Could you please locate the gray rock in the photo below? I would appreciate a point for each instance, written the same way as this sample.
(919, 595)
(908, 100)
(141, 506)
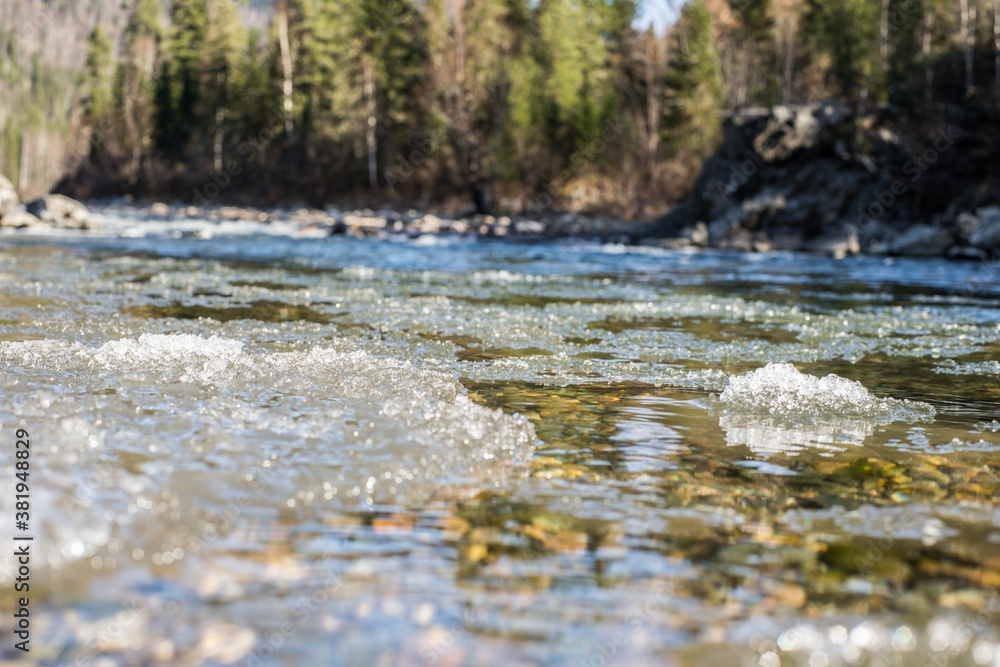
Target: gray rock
(838, 245)
(529, 227)
(986, 234)
(965, 252)
(771, 135)
(699, 235)
(19, 220)
(9, 200)
(966, 224)
(60, 211)
(921, 241)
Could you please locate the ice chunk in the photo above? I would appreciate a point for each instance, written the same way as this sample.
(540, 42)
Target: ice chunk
(778, 409)
(174, 431)
(780, 389)
(187, 356)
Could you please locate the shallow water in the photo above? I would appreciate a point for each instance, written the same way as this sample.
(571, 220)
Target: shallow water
(251, 445)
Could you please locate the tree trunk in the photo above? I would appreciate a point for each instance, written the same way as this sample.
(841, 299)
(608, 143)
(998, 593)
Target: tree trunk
(370, 134)
(788, 46)
(22, 175)
(220, 117)
(883, 38)
(928, 68)
(286, 66)
(996, 45)
(653, 104)
(968, 40)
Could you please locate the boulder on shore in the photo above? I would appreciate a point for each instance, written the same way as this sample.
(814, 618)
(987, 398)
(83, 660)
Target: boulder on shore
(12, 213)
(60, 211)
(8, 195)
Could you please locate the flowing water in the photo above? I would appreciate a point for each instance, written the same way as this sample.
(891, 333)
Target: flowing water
(251, 445)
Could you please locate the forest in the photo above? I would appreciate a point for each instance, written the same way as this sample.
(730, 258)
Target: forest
(507, 104)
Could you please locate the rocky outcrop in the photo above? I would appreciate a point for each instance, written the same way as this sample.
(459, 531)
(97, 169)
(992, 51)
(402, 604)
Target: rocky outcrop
(820, 178)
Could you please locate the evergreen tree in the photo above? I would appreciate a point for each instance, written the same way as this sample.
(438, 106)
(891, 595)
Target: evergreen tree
(97, 77)
(134, 89)
(470, 49)
(846, 32)
(694, 80)
(11, 150)
(179, 87)
(220, 58)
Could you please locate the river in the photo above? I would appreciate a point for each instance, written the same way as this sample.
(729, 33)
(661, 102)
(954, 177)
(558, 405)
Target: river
(252, 444)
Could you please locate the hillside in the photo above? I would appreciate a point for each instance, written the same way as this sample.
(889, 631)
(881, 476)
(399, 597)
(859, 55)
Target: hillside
(510, 106)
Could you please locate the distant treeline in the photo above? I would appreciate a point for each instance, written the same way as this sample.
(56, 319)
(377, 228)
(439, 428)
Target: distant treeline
(517, 102)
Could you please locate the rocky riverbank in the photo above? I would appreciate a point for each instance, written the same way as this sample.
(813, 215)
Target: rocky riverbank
(814, 178)
(822, 178)
(334, 221)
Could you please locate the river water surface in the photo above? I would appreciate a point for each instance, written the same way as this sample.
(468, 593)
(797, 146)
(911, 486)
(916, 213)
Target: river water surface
(251, 445)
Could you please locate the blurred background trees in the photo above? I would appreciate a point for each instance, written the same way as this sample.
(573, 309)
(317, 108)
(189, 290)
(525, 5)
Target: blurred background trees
(486, 101)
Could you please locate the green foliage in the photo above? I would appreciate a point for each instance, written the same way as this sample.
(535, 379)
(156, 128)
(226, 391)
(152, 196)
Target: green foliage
(755, 18)
(846, 32)
(11, 149)
(179, 87)
(695, 83)
(463, 93)
(97, 75)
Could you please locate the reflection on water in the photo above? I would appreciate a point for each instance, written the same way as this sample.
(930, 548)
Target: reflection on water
(770, 435)
(332, 451)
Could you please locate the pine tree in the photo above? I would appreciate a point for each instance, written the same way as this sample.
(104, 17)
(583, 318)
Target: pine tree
(470, 50)
(97, 77)
(847, 32)
(755, 54)
(575, 59)
(11, 150)
(219, 60)
(179, 87)
(695, 83)
(134, 89)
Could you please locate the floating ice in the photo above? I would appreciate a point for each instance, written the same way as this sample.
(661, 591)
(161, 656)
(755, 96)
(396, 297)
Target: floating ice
(778, 409)
(950, 367)
(180, 428)
(780, 389)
